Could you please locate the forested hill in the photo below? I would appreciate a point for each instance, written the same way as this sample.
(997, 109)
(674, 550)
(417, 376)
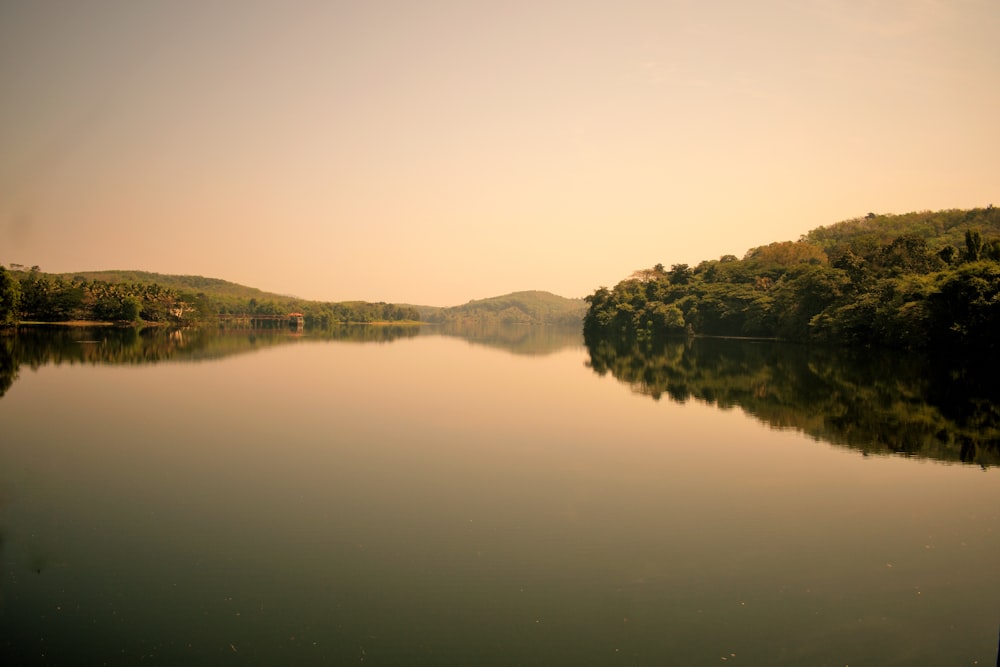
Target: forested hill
(531, 307)
(140, 296)
(919, 280)
(939, 228)
(180, 283)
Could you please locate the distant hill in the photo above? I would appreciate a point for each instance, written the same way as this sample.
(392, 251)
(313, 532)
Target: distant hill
(194, 284)
(143, 296)
(531, 307)
(223, 296)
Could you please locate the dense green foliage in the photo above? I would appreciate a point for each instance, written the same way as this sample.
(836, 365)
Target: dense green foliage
(137, 296)
(10, 298)
(897, 281)
(134, 296)
(532, 307)
(881, 401)
(179, 283)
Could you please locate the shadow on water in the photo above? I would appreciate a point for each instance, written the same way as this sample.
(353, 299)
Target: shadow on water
(875, 401)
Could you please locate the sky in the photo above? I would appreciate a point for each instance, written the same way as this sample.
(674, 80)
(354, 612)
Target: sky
(434, 152)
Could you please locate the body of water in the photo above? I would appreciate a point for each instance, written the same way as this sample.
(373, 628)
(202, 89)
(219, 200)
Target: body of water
(418, 496)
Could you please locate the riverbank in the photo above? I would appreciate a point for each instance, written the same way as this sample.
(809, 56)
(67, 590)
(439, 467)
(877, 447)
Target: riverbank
(71, 323)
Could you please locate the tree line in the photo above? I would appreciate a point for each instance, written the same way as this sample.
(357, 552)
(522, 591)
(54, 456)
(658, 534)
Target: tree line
(31, 295)
(846, 284)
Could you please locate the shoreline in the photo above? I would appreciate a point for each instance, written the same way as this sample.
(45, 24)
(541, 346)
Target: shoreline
(68, 323)
(144, 324)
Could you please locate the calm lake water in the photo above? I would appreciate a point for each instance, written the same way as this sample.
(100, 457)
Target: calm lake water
(502, 497)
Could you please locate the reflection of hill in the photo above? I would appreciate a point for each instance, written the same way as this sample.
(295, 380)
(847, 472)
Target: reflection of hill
(517, 338)
(39, 346)
(365, 333)
(872, 401)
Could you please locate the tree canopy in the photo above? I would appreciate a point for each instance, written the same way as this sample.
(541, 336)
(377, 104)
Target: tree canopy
(10, 298)
(912, 281)
(135, 296)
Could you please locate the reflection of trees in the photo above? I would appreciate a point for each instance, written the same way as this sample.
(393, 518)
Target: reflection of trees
(876, 402)
(43, 345)
(8, 364)
(530, 339)
(38, 346)
(366, 333)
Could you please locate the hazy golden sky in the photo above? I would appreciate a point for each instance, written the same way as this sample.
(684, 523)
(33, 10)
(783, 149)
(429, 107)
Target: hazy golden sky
(435, 152)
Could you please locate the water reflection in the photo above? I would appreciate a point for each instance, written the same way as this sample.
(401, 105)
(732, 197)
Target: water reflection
(878, 402)
(37, 346)
(527, 339)
(427, 501)
(8, 363)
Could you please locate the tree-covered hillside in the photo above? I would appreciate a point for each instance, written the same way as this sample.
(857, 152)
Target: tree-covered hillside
(939, 228)
(138, 296)
(141, 296)
(532, 307)
(180, 283)
(911, 281)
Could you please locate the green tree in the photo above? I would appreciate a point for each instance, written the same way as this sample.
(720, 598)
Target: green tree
(10, 298)
(130, 308)
(966, 308)
(35, 288)
(973, 244)
(680, 274)
(909, 254)
(948, 254)
(804, 295)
